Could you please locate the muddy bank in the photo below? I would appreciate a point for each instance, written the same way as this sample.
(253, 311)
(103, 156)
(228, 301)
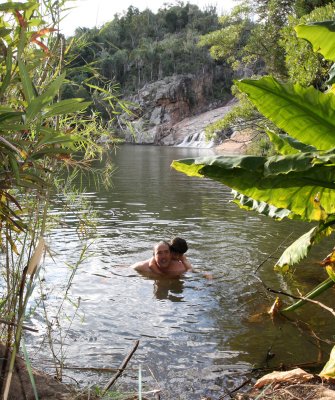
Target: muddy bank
(47, 387)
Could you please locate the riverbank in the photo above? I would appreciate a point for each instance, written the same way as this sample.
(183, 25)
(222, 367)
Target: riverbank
(47, 387)
(237, 144)
(296, 384)
(292, 385)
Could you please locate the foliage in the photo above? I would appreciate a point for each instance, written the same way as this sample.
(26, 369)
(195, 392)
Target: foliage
(229, 43)
(303, 65)
(261, 145)
(301, 179)
(140, 47)
(43, 137)
(269, 45)
(242, 114)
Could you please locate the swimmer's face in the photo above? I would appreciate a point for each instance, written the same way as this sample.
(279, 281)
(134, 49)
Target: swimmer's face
(162, 255)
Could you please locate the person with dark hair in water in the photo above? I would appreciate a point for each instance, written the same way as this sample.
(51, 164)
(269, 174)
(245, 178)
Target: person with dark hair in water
(179, 247)
(161, 263)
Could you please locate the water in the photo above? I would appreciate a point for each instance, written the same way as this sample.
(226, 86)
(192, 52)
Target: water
(197, 335)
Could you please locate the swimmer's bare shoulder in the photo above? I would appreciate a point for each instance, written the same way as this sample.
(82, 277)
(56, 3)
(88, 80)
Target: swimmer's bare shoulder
(141, 266)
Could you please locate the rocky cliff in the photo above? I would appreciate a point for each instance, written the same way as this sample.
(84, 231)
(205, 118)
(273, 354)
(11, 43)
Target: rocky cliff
(162, 105)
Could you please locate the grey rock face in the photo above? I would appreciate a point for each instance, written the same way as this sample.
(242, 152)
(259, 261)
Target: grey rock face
(165, 103)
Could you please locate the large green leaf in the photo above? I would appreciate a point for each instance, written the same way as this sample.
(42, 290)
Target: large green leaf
(10, 115)
(321, 35)
(285, 144)
(293, 182)
(247, 203)
(300, 248)
(306, 114)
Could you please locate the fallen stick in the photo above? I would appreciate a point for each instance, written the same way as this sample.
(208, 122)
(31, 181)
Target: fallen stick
(95, 369)
(121, 369)
(26, 328)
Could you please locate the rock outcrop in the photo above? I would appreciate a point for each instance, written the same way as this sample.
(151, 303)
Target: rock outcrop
(165, 103)
(190, 132)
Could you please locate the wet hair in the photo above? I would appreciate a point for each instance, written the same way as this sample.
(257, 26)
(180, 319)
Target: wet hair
(178, 245)
(161, 242)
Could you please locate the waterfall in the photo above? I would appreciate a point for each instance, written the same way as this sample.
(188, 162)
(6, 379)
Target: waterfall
(197, 139)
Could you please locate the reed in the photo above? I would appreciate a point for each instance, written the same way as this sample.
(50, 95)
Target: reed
(44, 140)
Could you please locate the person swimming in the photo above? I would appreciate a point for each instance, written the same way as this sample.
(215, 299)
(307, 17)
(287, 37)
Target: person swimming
(161, 264)
(178, 248)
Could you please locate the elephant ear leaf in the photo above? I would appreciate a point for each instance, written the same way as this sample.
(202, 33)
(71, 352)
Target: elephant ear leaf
(300, 248)
(295, 182)
(285, 144)
(305, 114)
(321, 35)
(247, 203)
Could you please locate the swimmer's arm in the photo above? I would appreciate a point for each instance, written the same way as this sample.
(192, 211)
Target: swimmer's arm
(141, 266)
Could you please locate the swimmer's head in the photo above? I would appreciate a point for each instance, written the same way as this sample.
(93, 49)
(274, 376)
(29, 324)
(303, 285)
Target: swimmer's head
(162, 254)
(178, 245)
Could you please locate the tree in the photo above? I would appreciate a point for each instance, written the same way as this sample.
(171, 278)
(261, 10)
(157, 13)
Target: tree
(303, 65)
(230, 42)
(138, 47)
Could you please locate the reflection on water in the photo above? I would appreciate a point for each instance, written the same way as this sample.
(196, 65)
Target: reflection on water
(171, 289)
(196, 334)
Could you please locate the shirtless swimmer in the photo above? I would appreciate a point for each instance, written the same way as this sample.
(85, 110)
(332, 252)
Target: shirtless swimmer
(164, 264)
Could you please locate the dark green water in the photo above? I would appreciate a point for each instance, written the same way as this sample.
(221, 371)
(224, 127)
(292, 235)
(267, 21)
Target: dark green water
(197, 335)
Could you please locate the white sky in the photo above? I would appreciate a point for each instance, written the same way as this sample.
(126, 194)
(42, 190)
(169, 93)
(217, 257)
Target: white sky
(90, 13)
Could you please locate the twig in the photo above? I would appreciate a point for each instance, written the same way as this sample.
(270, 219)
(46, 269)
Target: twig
(26, 328)
(228, 393)
(270, 255)
(121, 369)
(158, 390)
(105, 370)
(241, 386)
(331, 310)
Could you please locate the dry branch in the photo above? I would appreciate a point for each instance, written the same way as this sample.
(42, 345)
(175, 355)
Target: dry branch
(121, 368)
(3, 321)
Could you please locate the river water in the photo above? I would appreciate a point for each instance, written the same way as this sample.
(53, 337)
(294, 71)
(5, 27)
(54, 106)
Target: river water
(199, 334)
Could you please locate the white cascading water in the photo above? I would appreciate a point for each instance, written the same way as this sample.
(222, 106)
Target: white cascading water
(197, 140)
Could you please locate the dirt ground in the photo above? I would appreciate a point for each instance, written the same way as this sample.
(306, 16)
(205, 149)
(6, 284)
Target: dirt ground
(313, 390)
(237, 143)
(21, 388)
